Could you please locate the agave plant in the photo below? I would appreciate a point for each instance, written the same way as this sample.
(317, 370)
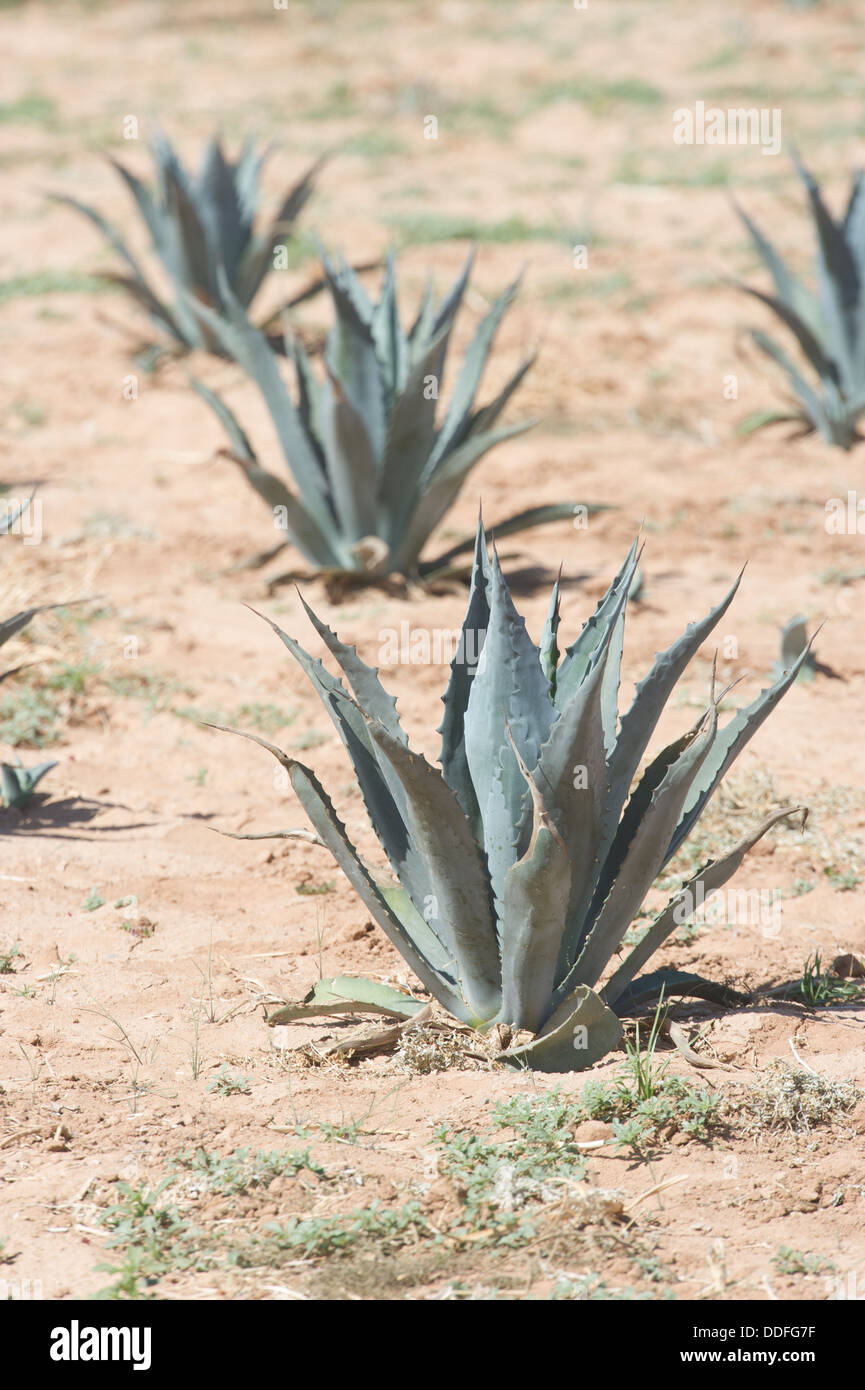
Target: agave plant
(17, 783)
(795, 643)
(10, 626)
(198, 227)
(374, 470)
(519, 866)
(828, 325)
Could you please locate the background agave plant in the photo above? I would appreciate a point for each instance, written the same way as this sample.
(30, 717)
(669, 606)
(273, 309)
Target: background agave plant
(375, 472)
(829, 326)
(10, 626)
(519, 866)
(795, 643)
(17, 783)
(201, 228)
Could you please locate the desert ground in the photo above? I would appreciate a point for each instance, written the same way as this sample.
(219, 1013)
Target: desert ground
(157, 1138)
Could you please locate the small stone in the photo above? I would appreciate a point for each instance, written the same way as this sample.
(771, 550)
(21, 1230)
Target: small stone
(848, 967)
(856, 1118)
(590, 1131)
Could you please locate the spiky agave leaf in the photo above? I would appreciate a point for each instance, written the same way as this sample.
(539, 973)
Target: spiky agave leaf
(18, 783)
(828, 325)
(347, 994)
(198, 225)
(519, 867)
(375, 465)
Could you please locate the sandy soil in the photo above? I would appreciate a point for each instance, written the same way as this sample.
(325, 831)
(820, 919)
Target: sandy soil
(555, 128)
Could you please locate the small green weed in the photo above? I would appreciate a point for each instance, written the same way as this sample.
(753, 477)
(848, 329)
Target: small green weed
(51, 282)
(28, 719)
(842, 881)
(8, 958)
(230, 1083)
(674, 1106)
(820, 989)
(267, 719)
(242, 1171)
(155, 1240)
(310, 889)
(789, 1261)
(329, 1235)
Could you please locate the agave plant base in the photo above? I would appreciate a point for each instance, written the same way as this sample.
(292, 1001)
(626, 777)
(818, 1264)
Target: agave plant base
(584, 1036)
(586, 1032)
(429, 576)
(579, 1037)
(341, 584)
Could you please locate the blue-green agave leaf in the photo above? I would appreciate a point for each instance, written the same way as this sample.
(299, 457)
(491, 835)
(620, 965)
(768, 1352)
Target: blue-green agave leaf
(511, 526)
(572, 776)
(348, 994)
(815, 409)
(380, 786)
(332, 832)
(509, 706)
(439, 496)
(458, 417)
(453, 759)
(683, 905)
(351, 354)
(823, 365)
(302, 529)
(390, 341)
(582, 1032)
(549, 637)
(250, 349)
(643, 856)
(535, 898)
(352, 464)
(410, 432)
(450, 305)
(652, 693)
(595, 632)
(18, 784)
(791, 292)
(726, 748)
(368, 689)
(137, 277)
(838, 282)
(459, 909)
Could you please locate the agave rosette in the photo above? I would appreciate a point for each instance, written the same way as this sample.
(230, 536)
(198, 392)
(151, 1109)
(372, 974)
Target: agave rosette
(18, 783)
(518, 866)
(202, 228)
(829, 325)
(374, 468)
